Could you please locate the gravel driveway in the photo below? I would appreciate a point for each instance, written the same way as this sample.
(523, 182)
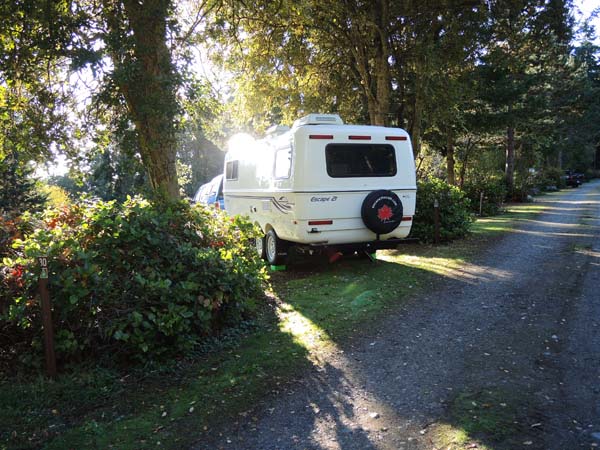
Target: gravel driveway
(518, 328)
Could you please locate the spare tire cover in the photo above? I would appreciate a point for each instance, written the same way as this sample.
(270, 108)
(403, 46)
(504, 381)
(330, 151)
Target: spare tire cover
(382, 211)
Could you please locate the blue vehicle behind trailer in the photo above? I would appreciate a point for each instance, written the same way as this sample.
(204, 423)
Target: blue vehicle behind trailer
(211, 193)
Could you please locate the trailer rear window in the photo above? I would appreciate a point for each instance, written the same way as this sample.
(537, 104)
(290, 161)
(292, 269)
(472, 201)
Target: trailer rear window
(360, 160)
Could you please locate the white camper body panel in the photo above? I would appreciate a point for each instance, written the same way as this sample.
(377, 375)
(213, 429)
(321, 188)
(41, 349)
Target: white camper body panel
(282, 183)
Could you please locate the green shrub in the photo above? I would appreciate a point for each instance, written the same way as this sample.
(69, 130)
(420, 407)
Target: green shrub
(455, 218)
(494, 193)
(12, 228)
(550, 176)
(130, 280)
(523, 189)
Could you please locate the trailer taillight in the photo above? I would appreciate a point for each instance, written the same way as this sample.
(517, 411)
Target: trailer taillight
(395, 138)
(359, 138)
(406, 218)
(320, 136)
(320, 222)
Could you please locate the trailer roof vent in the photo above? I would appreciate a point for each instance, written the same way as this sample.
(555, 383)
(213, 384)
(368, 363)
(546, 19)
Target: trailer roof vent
(319, 119)
(276, 130)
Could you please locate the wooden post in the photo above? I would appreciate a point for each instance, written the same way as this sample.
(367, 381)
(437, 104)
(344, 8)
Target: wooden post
(436, 220)
(47, 318)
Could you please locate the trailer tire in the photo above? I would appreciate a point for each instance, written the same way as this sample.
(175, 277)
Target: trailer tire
(259, 242)
(382, 211)
(275, 249)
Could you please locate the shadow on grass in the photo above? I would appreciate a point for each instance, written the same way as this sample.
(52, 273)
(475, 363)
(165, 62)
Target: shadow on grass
(171, 402)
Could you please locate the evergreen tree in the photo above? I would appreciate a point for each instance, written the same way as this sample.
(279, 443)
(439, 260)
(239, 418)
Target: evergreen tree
(18, 189)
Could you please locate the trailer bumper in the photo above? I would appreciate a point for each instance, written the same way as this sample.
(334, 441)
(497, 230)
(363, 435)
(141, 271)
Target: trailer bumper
(368, 247)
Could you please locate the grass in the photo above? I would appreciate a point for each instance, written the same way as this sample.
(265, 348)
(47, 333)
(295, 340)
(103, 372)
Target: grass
(514, 213)
(494, 414)
(484, 420)
(309, 313)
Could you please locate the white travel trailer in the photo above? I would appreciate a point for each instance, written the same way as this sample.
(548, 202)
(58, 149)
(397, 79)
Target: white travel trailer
(323, 184)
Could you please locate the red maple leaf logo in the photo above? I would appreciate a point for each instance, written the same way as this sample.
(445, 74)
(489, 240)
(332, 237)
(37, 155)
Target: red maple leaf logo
(385, 213)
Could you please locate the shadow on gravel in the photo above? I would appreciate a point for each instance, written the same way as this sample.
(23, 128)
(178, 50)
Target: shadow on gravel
(325, 416)
(474, 364)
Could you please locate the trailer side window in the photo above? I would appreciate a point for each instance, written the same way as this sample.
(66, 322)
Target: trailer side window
(283, 163)
(231, 170)
(360, 160)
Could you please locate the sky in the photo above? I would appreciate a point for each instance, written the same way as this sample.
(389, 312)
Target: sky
(586, 7)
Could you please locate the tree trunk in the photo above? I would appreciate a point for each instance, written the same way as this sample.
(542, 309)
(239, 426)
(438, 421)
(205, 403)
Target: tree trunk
(372, 105)
(146, 78)
(509, 172)
(415, 129)
(382, 104)
(559, 158)
(450, 162)
(379, 106)
(465, 161)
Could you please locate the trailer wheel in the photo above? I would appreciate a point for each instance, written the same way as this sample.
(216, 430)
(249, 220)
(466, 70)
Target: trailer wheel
(259, 242)
(382, 211)
(275, 249)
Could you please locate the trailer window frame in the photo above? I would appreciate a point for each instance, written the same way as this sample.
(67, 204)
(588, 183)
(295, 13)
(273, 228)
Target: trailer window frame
(276, 175)
(376, 166)
(232, 170)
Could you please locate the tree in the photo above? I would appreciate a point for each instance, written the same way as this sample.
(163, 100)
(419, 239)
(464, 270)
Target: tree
(206, 128)
(452, 73)
(115, 174)
(581, 104)
(297, 57)
(370, 61)
(34, 39)
(451, 50)
(19, 191)
(527, 38)
(203, 158)
(433, 43)
(50, 39)
(146, 78)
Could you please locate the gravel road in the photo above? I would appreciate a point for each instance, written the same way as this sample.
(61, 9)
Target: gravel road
(519, 327)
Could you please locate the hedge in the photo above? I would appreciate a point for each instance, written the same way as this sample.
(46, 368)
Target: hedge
(138, 279)
(454, 208)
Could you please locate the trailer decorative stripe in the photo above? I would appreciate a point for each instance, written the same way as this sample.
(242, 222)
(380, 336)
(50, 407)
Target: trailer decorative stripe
(282, 204)
(405, 188)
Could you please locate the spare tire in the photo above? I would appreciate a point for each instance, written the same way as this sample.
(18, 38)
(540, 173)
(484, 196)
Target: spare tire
(381, 211)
